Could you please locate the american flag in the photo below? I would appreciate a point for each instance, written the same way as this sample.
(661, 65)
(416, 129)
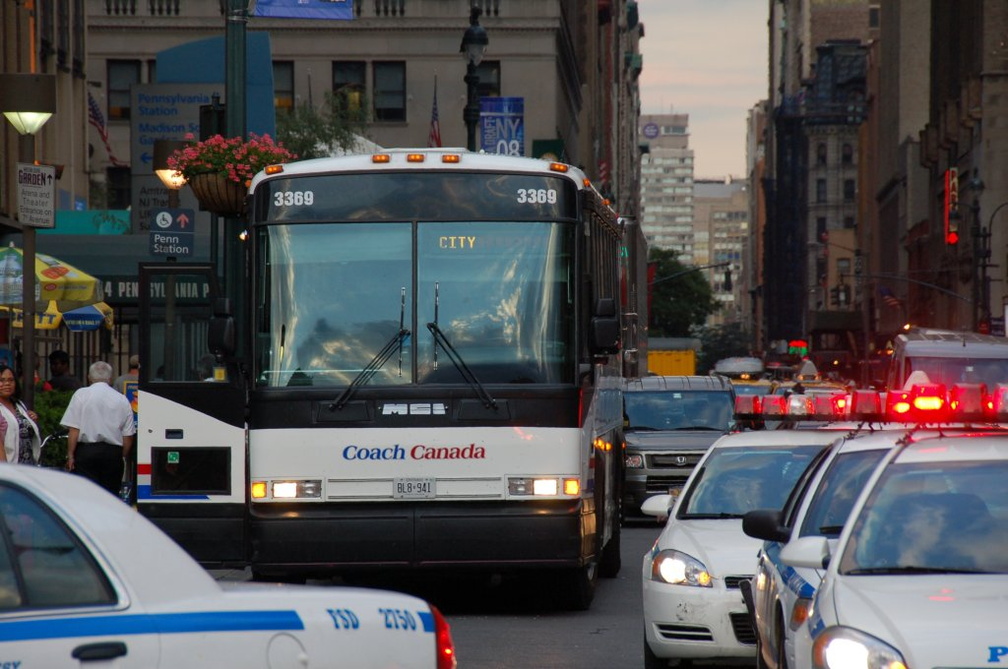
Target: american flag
(890, 299)
(97, 119)
(434, 138)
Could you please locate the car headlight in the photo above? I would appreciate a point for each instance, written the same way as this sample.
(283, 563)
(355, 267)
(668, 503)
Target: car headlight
(671, 566)
(634, 461)
(846, 648)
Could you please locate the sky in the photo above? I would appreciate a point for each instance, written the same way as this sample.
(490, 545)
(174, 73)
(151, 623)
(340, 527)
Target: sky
(708, 59)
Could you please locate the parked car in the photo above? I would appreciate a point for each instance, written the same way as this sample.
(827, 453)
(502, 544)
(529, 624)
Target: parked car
(668, 424)
(693, 606)
(919, 575)
(86, 579)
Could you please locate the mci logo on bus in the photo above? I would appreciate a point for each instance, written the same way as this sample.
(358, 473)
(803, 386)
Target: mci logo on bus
(414, 409)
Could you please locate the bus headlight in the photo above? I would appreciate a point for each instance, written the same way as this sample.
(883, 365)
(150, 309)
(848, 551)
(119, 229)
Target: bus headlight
(543, 487)
(634, 461)
(309, 489)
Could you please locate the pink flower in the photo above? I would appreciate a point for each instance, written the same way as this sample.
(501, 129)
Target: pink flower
(239, 159)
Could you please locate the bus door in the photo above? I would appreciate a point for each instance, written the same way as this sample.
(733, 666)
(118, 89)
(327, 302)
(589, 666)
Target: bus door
(191, 458)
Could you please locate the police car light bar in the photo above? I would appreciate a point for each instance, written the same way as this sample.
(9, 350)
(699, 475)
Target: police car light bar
(929, 403)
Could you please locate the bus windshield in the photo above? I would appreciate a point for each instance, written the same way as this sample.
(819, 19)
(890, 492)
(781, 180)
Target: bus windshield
(336, 301)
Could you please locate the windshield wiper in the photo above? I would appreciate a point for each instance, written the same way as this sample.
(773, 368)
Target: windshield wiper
(442, 340)
(911, 569)
(710, 516)
(377, 362)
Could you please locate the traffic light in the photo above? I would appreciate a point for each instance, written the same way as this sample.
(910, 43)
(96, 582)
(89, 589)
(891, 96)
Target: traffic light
(834, 296)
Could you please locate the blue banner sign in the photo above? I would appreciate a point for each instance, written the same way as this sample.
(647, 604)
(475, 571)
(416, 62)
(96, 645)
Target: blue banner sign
(502, 126)
(341, 10)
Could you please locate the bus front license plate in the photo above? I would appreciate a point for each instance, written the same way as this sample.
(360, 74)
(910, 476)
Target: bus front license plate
(413, 488)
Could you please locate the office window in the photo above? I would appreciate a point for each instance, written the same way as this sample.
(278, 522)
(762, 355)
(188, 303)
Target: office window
(847, 155)
(122, 74)
(489, 79)
(283, 85)
(848, 222)
(77, 38)
(848, 190)
(821, 154)
(119, 192)
(820, 190)
(390, 91)
(348, 83)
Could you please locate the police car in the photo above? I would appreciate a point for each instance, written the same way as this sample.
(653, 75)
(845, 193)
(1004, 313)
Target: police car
(819, 506)
(85, 579)
(782, 595)
(693, 605)
(919, 575)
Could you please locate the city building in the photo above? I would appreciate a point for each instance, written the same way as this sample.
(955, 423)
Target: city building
(666, 192)
(721, 229)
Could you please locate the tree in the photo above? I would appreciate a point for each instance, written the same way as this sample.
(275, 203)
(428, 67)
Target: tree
(314, 132)
(722, 341)
(681, 297)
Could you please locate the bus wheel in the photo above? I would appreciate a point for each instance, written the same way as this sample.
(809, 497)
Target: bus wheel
(611, 561)
(579, 586)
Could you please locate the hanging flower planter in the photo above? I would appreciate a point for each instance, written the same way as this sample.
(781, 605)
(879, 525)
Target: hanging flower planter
(219, 170)
(219, 194)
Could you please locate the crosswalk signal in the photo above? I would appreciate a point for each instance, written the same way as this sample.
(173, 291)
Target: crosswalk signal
(952, 229)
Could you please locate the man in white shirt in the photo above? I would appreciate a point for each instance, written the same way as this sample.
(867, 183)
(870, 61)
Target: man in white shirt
(101, 430)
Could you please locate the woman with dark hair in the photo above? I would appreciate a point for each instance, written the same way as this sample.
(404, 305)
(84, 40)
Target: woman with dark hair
(19, 432)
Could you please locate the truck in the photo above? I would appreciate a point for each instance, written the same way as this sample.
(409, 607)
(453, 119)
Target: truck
(673, 356)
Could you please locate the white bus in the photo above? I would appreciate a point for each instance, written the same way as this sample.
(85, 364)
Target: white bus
(417, 367)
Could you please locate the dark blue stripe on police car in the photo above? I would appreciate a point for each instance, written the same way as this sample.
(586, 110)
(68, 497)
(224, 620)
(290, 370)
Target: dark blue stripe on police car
(790, 577)
(427, 620)
(163, 623)
(144, 492)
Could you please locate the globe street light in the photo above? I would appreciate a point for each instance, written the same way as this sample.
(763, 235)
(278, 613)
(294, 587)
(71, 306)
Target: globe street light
(474, 45)
(28, 101)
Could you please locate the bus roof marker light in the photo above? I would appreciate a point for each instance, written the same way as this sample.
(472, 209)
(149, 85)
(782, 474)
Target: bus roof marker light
(415, 157)
(559, 167)
(381, 158)
(452, 158)
(274, 169)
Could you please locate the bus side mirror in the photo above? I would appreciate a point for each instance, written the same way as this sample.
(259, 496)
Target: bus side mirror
(604, 334)
(221, 331)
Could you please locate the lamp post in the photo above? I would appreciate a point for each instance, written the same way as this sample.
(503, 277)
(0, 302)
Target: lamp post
(985, 255)
(172, 179)
(981, 314)
(27, 100)
(474, 45)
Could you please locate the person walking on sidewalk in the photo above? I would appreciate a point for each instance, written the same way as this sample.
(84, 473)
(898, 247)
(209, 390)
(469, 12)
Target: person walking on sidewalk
(101, 430)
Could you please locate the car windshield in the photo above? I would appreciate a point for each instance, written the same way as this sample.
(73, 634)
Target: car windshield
(933, 517)
(733, 481)
(679, 410)
(837, 490)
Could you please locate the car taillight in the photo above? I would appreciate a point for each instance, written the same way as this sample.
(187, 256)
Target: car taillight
(445, 646)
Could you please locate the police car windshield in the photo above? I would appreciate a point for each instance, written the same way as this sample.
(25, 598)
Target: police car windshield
(736, 480)
(947, 517)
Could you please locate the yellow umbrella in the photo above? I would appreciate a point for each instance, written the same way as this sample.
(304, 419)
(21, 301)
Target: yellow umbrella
(55, 281)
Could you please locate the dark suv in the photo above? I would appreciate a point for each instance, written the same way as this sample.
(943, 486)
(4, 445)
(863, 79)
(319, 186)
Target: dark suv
(669, 422)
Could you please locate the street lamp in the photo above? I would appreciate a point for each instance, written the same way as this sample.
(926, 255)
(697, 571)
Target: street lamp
(28, 101)
(985, 255)
(474, 45)
(981, 314)
(172, 179)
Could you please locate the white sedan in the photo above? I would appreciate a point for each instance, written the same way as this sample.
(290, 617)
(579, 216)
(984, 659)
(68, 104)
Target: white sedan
(919, 576)
(693, 607)
(86, 579)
